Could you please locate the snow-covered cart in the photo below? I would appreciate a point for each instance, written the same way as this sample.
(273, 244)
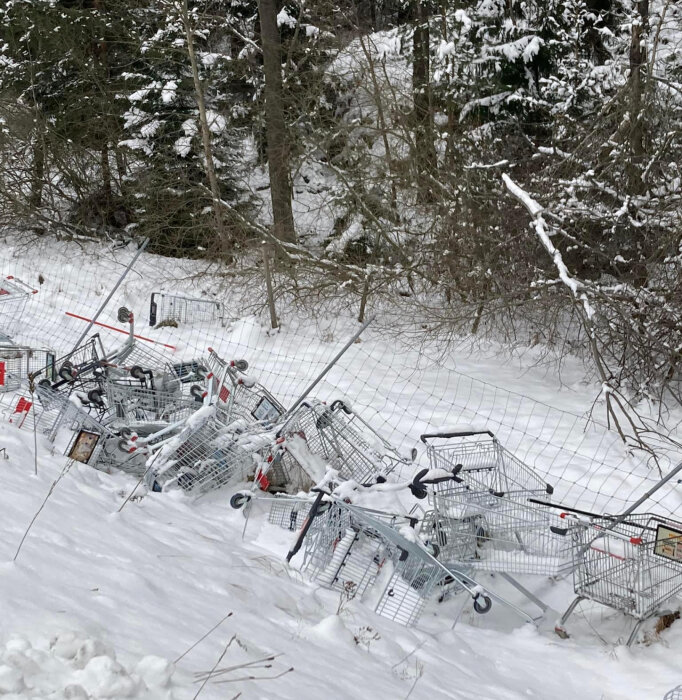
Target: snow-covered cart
(632, 565)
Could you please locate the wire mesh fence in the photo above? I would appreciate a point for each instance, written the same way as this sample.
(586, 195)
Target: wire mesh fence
(152, 395)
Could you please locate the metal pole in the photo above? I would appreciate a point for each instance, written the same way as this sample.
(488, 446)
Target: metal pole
(112, 292)
(329, 366)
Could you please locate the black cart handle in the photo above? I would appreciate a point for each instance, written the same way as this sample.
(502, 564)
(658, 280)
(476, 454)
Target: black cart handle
(462, 433)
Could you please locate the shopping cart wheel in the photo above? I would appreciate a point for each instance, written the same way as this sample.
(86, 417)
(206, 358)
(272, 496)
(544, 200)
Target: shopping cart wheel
(45, 383)
(482, 607)
(481, 535)
(241, 365)
(123, 315)
(136, 372)
(67, 372)
(95, 397)
(239, 500)
(197, 391)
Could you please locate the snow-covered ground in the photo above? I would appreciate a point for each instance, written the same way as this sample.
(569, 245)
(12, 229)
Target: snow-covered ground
(103, 603)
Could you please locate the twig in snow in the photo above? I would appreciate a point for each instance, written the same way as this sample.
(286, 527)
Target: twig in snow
(248, 664)
(220, 658)
(256, 678)
(204, 637)
(42, 505)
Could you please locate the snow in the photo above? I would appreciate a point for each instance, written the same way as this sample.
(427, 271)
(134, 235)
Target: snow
(284, 19)
(131, 597)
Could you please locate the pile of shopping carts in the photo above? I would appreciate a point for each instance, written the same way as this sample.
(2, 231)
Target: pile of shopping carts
(475, 516)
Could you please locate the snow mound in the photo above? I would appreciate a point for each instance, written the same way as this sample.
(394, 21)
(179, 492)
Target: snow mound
(74, 666)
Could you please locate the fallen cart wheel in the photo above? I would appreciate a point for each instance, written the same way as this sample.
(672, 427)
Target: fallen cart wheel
(482, 607)
(137, 372)
(239, 500)
(67, 372)
(95, 397)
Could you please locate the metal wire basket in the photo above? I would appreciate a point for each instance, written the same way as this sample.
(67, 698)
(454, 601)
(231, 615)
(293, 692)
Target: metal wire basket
(495, 533)
(14, 296)
(183, 309)
(162, 400)
(316, 437)
(211, 451)
(483, 464)
(633, 566)
(17, 362)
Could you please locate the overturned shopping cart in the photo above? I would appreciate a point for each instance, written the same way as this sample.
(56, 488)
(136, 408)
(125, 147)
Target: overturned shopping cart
(317, 437)
(211, 450)
(363, 554)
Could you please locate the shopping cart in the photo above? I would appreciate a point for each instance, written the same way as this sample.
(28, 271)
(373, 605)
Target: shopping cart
(484, 462)
(164, 308)
(487, 516)
(363, 554)
(144, 398)
(17, 362)
(240, 395)
(633, 565)
(317, 437)
(14, 296)
(210, 451)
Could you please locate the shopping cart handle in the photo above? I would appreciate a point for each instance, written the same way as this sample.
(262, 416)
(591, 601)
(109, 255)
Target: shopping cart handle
(339, 403)
(457, 433)
(558, 530)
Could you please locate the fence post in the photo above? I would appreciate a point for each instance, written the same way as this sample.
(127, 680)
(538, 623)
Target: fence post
(268, 284)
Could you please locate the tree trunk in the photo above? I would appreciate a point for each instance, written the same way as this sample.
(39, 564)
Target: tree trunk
(276, 136)
(637, 66)
(421, 91)
(226, 242)
(37, 173)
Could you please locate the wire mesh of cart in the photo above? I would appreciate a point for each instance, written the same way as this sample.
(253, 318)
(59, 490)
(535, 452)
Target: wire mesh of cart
(184, 310)
(14, 295)
(160, 399)
(242, 396)
(495, 533)
(317, 436)
(674, 694)
(210, 451)
(484, 462)
(57, 410)
(17, 362)
(364, 553)
(634, 566)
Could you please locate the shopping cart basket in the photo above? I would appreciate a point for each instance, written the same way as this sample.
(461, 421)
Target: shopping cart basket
(17, 362)
(632, 565)
(240, 395)
(209, 452)
(316, 437)
(185, 310)
(484, 461)
(14, 295)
